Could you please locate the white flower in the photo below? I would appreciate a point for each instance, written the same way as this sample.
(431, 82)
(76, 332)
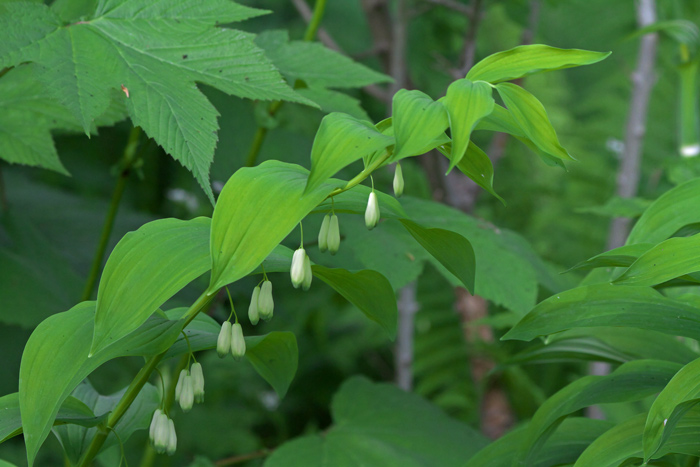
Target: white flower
(186, 396)
(253, 311)
(237, 341)
(308, 274)
(197, 382)
(223, 343)
(266, 305)
(172, 439)
(333, 235)
(297, 271)
(323, 234)
(372, 212)
(161, 432)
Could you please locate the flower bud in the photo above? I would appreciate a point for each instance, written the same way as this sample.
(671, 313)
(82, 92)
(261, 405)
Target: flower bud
(266, 304)
(333, 235)
(372, 212)
(197, 382)
(297, 271)
(323, 234)
(223, 343)
(398, 181)
(253, 309)
(237, 341)
(172, 439)
(308, 274)
(161, 433)
(186, 397)
(178, 386)
(154, 422)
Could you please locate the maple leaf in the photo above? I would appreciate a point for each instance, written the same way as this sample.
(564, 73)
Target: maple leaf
(154, 51)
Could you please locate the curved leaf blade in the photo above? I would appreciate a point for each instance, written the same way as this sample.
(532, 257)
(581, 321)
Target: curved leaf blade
(476, 165)
(275, 356)
(417, 121)
(134, 285)
(617, 257)
(530, 59)
(668, 260)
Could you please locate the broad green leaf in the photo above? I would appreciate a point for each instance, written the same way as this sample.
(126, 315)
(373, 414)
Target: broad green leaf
(367, 290)
(354, 201)
(476, 165)
(617, 257)
(154, 52)
(530, 59)
(379, 424)
(630, 382)
(564, 446)
(340, 141)
(334, 101)
(624, 441)
(570, 349)
(72, 411)
(134, 285)
(75, 439)
(417, 120)
(668, 260)
(608, 305)
(316, 64)
(274, 356)
(57, 351)
(671, 211)
(256, 210)
(466, 104)
(451, 249)
(673, 402)
(530, 115)
(6, 464)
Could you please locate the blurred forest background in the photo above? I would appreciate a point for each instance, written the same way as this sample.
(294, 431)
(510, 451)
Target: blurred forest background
(553, 218)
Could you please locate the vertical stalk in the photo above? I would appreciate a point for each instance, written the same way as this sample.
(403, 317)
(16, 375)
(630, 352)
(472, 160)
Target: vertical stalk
(4, 206)
(126, 162)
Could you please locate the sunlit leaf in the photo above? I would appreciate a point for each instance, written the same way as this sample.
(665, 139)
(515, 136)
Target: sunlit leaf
(417, 121)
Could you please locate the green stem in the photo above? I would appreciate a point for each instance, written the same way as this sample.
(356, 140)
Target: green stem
(126, 163)
(135, 387)
(261, 132)
(359, 178)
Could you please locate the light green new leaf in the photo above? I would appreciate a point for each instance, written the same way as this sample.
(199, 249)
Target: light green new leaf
(451, 249)
(72, 411)
(476, 165)
(340, 141)
(146, 268)
(668, 260)
(417, 120)
(530, 59)
(256, 210)
(674, 209)
(617, 257)
(154, 52)
(674, 401)
(57, 351)
(368, 290)
(531, 117)
(632, 381)
(608, 305)
(466, 104)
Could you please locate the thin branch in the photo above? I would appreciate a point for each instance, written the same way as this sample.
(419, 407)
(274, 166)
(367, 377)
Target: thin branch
(469, 49)
(403, 356)
(453, 5)
(397, 63)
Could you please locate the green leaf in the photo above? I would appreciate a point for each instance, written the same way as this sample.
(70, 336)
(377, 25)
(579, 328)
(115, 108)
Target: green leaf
(569, 349)
(315, 63)
(619, 207)
(672, 403)
(334, 101)
(256, 210)
(608, 305)
(466, 104)
(531, 117)
(76, 439)
(156, 52)
(630, 382)
(530, 59)
(680, 30)
(417, 120)
(476, 165)
(133, 284)
(451, 249)
(379, 424)
(354, 201)
(367, 290)
(72, 411)
(671, 211)
(668, 260)
(57, 351)
(340, 141)
(617, 257)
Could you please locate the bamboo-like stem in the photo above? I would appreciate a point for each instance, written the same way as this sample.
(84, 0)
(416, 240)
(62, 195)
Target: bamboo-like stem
(127, 161)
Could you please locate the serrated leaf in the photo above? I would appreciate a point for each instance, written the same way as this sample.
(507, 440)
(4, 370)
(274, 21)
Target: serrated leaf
(608, 305)
(315, 63)
(476, 165)
(617, 257)
(451, 249)
(530, 59)
(671, 211)
(57, 351)
(256, 210)
(367, 290)
(466, 104)
(133, 286)
(154, 52)
(531, 117)
(668, 260)
(417, 121)
(340, 141)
